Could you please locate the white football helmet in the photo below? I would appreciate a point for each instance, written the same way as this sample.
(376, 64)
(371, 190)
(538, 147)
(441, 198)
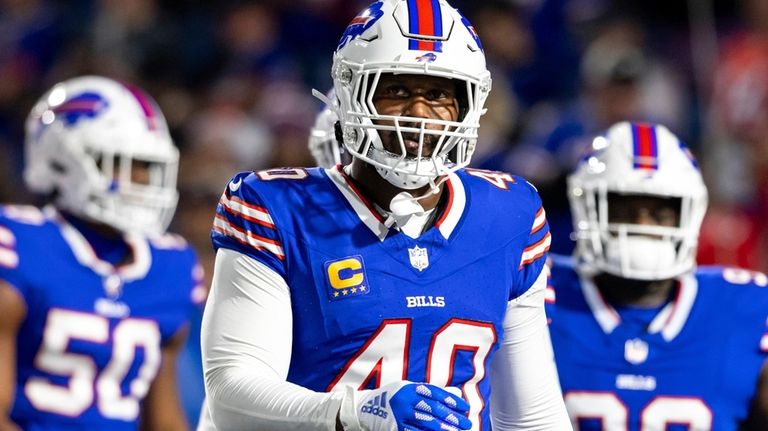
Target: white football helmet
(408, 37)
(636, 159)
(83, 138)
(323, 146)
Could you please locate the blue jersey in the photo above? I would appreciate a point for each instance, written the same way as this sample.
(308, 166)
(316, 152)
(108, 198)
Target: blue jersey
(90, 343)
(693, 364)
(372, 305)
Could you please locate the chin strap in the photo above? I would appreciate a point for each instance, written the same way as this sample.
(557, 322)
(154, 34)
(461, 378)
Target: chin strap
(323, 98)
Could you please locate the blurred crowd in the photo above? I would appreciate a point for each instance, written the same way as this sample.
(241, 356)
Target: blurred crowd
(234, 80)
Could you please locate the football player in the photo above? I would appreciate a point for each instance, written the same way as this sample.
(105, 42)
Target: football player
(394, 292)
(643, 339)
(94, 297)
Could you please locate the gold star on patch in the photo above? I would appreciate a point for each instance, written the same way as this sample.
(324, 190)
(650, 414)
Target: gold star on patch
(344, 291)
(354, 290)
(362, 288)
(335, 294)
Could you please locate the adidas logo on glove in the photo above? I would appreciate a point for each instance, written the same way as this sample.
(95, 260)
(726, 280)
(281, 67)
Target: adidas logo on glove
(404, 405)
(376, 406)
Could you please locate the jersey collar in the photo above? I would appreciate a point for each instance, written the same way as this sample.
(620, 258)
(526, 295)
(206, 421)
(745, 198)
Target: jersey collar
(670, 319)
(364, 209)
(86, 256)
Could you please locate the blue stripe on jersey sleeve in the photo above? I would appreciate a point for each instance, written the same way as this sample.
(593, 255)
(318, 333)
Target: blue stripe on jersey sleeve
(244, 224)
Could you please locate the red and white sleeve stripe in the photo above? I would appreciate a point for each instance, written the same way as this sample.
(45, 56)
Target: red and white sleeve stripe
(223, 226)
(536, 250)
(246, 211)
(9, 258)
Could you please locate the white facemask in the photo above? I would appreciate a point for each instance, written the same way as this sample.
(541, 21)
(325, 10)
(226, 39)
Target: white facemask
(640, 256)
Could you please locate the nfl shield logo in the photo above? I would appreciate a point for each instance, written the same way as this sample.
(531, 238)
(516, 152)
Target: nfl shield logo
(635, 351)
(419, 258)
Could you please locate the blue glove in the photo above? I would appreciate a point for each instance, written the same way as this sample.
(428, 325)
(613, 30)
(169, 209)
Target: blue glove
(404, 406)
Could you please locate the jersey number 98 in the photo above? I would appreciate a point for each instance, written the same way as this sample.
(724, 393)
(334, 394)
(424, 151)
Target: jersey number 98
(662, 410)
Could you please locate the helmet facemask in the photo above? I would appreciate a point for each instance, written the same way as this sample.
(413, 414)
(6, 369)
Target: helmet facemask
(626, 248)
(452, 142)
(133, 191)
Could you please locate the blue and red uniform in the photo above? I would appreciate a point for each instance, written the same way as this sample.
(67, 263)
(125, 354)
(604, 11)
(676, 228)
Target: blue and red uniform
(692, 364)
(372, 305)
(90, 343)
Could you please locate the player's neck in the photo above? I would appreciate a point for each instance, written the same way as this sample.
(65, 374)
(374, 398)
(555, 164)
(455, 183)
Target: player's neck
(380, 191)
(107, 242)
(619, 291)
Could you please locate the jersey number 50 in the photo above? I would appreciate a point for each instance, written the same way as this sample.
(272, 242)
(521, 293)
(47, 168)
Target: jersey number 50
(78, 394)
(384, 357)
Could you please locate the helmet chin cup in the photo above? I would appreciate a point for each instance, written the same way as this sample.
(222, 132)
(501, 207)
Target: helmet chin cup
(641, 258)
(424, 171)
(403, 181)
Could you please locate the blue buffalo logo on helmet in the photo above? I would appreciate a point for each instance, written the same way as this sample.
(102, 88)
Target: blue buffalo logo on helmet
(472, 32)
(427, 58)
(86, 105)
(359, 24)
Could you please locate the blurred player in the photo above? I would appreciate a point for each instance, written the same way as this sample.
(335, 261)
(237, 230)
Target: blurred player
(323, 145)
(393, 292)
(94, 297)
(644, 340)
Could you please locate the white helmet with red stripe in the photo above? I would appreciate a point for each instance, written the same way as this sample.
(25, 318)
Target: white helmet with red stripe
(422, 37)
(637, 159)
(101, 150)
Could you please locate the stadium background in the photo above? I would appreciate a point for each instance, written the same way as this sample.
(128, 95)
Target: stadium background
(234, 78)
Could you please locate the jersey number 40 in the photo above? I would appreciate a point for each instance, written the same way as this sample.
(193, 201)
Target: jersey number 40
(385, 357)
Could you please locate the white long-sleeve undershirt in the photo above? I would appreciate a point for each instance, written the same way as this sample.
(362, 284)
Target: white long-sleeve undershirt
(247, 339)
(246, 343)
(525, 391)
